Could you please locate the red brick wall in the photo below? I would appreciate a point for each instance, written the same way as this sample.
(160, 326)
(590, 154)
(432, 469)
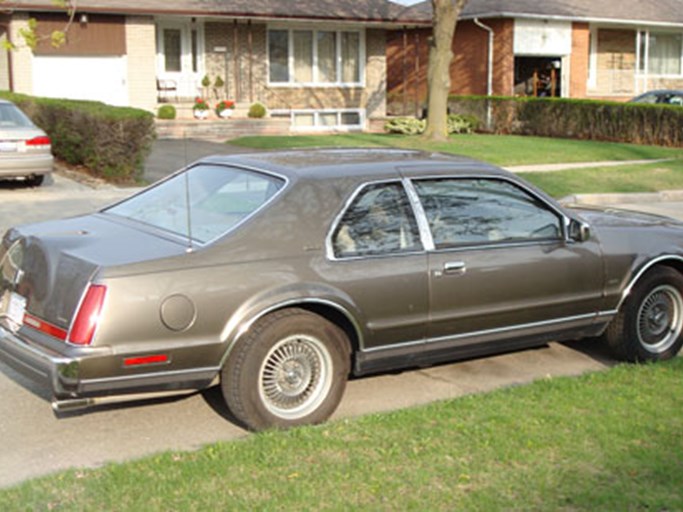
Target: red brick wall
(407, 65)
(579, 60)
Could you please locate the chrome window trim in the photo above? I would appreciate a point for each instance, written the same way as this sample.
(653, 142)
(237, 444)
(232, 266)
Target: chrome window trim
(180, 236)
(329, 245)
(420, 215)
(499, 330)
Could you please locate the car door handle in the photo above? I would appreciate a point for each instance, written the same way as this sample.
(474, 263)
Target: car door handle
(454, 268)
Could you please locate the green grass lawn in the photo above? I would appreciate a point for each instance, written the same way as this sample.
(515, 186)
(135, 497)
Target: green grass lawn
(629, 178)
(503, 150)
(611, 440)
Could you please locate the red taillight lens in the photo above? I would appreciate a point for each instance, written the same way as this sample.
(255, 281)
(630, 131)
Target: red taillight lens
(36, 142)
(83, 328)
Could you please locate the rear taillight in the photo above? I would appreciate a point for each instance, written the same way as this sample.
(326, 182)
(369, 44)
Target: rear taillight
(88, 315)
(39, 142)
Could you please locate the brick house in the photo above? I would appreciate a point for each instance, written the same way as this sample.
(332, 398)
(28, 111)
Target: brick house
(602, 50)
(319, 63)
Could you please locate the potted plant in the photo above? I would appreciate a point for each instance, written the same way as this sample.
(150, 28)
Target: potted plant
(200, 109)
(224, 108)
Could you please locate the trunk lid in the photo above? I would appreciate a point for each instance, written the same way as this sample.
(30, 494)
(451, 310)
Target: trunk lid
(50, 264)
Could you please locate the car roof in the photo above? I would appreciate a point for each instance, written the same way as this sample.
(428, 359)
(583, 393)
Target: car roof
(366, 163)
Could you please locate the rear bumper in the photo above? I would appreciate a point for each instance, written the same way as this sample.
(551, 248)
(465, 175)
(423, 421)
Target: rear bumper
(62, 373)
(25, 165)
(55, 372)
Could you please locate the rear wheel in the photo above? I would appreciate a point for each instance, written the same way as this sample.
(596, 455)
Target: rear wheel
(650, 322)
(35, 180)
(289, 370)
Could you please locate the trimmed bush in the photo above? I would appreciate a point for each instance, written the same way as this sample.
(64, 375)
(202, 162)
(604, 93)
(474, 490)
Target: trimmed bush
(660, 125)
(166, 112)
(405, 126)
(257, 110)
(412, 126)
(112, 142)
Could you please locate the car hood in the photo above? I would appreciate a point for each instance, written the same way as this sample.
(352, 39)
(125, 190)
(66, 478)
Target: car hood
(609, 217)
(52, 263)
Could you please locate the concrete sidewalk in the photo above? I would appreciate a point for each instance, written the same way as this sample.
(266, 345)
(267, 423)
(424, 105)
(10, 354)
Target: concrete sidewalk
(581, 165)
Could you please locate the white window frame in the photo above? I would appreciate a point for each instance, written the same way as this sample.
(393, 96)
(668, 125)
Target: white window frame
(645, 33)
(338, 127)
(291, 83)
(593, 59)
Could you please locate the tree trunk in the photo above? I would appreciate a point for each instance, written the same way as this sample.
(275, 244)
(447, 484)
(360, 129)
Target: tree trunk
(446, 14)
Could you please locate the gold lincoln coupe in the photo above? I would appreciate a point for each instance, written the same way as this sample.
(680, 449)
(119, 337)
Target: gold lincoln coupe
(281, 274)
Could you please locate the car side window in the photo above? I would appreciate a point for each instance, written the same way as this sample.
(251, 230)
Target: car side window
(484, 211)
(379, 221)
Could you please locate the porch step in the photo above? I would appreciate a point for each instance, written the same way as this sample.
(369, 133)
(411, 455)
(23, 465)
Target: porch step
(220, 129)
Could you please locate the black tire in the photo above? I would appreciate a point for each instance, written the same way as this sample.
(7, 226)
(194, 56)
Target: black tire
(649, 324)
(312, 350)
(35, 180)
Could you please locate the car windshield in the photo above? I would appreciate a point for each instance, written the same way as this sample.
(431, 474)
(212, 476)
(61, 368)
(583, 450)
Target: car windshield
(219, 198)
(12, 117)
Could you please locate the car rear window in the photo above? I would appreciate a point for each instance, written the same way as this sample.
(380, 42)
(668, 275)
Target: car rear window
(203, 203)
(12, 117)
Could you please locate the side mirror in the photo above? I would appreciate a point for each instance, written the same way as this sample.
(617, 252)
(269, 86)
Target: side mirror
(579, 231)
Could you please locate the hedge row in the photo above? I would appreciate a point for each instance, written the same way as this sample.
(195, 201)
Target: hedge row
(112, 142)
(660, 125)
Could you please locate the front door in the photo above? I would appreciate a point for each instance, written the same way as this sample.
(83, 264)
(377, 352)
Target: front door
(180, 57)
(501, 263)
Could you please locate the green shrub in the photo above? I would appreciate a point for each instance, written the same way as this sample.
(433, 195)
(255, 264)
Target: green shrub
(405, 126)
(112, 142)
(459, 124)
(166, 112)
(412, 126)
(660, 125)
(257, 110)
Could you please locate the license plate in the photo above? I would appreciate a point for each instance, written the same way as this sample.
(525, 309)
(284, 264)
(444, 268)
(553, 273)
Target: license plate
(8, 147)
(13, 307)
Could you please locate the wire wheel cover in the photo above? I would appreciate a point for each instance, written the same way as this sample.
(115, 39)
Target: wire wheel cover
(659, 319)
(296, 376)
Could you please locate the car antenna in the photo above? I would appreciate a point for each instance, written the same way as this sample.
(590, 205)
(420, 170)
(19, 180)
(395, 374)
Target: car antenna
(187, 199)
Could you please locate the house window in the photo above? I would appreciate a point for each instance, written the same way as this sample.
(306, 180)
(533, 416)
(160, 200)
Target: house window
(314, 57)
(278, 54)
(172, 50)
(324, 119)
(661, 53)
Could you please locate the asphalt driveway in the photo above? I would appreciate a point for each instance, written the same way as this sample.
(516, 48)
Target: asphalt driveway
(34, 441)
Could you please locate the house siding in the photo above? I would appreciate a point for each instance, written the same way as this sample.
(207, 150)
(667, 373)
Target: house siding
(22, 70)
(616, 63)
(141, 58)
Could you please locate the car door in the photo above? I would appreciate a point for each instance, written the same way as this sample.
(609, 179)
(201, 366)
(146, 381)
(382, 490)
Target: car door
(501, 262)
(376, 257)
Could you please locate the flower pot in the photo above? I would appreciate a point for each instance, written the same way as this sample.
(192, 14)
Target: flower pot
(225, 113)
(200, 114)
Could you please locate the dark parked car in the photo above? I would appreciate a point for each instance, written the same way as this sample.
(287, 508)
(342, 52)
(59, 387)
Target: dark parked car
(661, 97)
(283, 273)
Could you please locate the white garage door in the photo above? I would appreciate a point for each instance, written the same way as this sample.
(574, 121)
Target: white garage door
(81, 78)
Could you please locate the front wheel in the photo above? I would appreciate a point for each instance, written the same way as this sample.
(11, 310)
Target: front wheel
(649, 325)
(290, 369)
